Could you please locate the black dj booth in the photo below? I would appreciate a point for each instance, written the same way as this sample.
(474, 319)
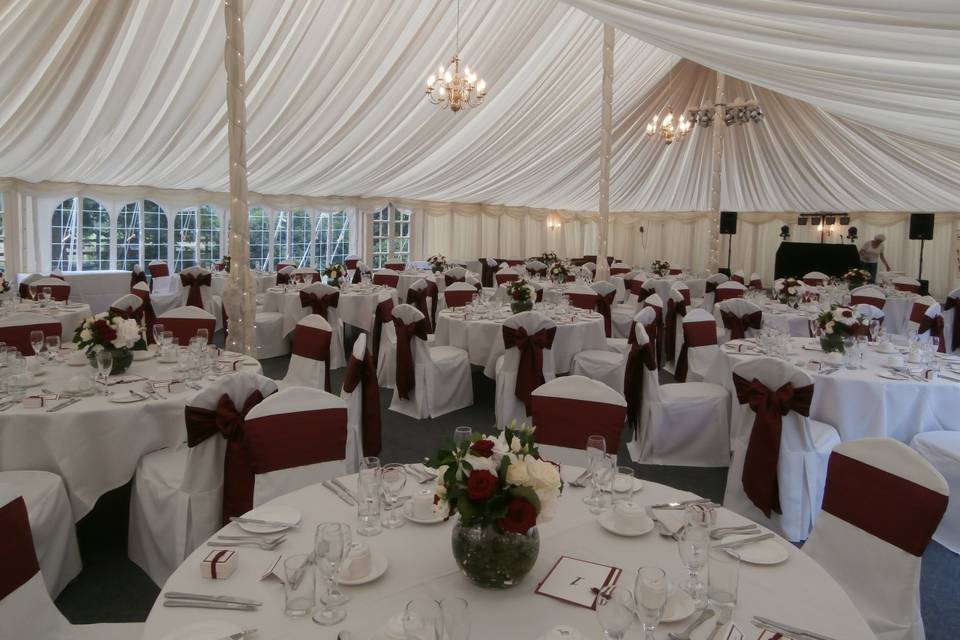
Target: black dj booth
(798, 258)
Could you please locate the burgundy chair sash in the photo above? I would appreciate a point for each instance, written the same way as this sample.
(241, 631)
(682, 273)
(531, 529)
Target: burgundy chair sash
(449, 280)
(675, 311)
(386, 279)
(395, 266)
(530, 367)
(129, 313)
(503, 278)
(137, 277)
(566, 422)
(58, 292)
(363, 372)
(603, 305)
(763, 450)
(295, 439)
(695, 334)
(710, 287)
(148, 313)
(756, 284)
(738, 325)
(616, 271)
(418, 298)
(406, 333)
(727, 294)
(158, 270)
(320, 304)
(357, 277)
(383, 314)
(194, 283)
(227, 421)
(954, 303)
(283, 278)
(877, 302)
(906, 286)
(813, 282)
(458, 298)
(16, 548)
(486, 273)
(351, 263)
(851, 494)
(918, 312)
(638, 358)
(935, 326)
(586, 301)
(642, 293)
(313, 343)
(675, 272)
(737, 278)
(19, 336)
(537, 272)
(185, 328)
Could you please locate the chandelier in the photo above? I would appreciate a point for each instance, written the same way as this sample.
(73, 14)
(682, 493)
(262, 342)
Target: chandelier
(668, 127)
(455, 90)
(731, 114)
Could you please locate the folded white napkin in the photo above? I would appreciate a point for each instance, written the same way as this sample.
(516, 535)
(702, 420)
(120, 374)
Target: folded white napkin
(672, 519)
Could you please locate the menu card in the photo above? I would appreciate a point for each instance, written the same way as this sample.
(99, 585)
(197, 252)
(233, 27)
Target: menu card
(578, 581)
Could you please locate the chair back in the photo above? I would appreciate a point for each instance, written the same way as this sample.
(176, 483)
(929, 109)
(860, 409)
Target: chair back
(305, 274)
(411, 326)
(395, 266)
(755, 281)
(137, 274)
(424, 294)
(815, 279)
(285, 273)
(386, 278)
(321, 299)
(184, 322)
(310, 355)
(606, 296)
(870, 312)
(741, 318)
(504, 276)
(582, 296)
(15, 330)
(129, 306)
(528, 352)
(699, 343)
(158, 269)
(868, 294)
(683, 290)
(569, 409)
(855, 536)
(536, 268)
(454, 274)
(641, 379)
(728, 290)
(59, 288)
(459, 294)
(926, 318)
(195, 283)
(904, 283)
(619, 268)
(362, 394)
(739, 276)
(351, 262)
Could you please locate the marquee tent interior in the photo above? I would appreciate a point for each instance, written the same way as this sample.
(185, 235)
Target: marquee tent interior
(860, 102)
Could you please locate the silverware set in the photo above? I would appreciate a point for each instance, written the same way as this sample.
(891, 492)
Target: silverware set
(721, 532)
(203, 601)
(265, 543)
(266, 523)
(335, 490)
(792, 632)
(65, 403)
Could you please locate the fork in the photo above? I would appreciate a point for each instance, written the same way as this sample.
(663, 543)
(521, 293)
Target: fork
(266, 546)
(721, 532)
(251, 537)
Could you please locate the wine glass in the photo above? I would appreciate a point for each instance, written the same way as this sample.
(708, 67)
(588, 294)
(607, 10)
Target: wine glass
(104, 366)
(158, 329)
(394, 478)
(422, 620)
(167, 339)
(650, 596)
(204, 335)
(47, 294)
(874, 329)
(693, 543)
(596, 448)
(33, 291)
(369, 487)
(36, 341)
(604, 470)
(455, 617)
(461, 435)
(52, 344)
(934, 344)
(615, 610)
(331, 545)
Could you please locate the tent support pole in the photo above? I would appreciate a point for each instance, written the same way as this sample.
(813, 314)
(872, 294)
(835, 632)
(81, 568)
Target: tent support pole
(606, 118)
(717, 161)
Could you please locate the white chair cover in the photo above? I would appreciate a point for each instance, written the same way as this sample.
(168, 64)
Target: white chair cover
(337, 357)
(507, 407)
(741, 309)
(458, 294)
(906, 283)
(728, 290)
(942, 450)
(51, 523)
(177, 497)
(873, 556)
(272, 341)
(709, 296)
(701, 359)
(305, 274)
(869, 294)
(755, 281)
(355, 405)
(185, 321)
(739, 276)
(128, 301)
(805, 446)
(870, 312)
(442, 380)
(568, 409)
(815, 278)
(206, 292)
(312, 340)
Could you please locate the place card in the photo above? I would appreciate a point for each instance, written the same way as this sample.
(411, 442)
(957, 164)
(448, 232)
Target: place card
(219, 564)
(274, 570)
(578, 581)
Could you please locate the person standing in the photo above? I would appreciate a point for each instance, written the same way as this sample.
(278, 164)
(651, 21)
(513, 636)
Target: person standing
(870, 253)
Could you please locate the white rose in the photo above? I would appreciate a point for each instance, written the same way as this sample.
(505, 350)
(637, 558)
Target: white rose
(792, 291)
(518, 474)
(86, 335)
(543, 475)
(478, 463)
(515, 444)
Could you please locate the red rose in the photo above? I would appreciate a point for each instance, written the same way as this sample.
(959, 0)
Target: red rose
(481, 484)
(482, 448)
(846, 313)
(521, 515)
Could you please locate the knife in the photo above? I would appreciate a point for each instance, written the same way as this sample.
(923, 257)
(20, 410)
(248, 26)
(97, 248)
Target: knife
(202, 604)
(739, 543)
(336, 482)
(678, 505)
(239, 635)
(949, 378)
(65, 403)
(337, 492)
(266, 523)
(793, 631)
(180, 595)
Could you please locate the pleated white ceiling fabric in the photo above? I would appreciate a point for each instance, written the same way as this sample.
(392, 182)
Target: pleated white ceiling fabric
(133, 93)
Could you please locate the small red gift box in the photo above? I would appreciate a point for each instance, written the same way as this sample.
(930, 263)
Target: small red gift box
(219, 564)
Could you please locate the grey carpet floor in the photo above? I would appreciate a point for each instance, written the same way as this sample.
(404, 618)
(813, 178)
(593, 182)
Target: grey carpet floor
(113, 589)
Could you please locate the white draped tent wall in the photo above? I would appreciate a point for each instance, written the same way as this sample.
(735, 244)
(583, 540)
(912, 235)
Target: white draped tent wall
(862, 102)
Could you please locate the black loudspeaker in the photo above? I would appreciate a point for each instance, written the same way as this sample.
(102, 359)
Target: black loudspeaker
(921, 226)
(728, 222)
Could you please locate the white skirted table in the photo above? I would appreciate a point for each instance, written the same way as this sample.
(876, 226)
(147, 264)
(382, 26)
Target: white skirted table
(420, 565)
(95, 444)
(97, 288)
(356, 307)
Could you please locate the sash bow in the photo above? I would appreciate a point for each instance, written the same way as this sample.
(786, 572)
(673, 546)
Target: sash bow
(675, 310)
(638, 358)
(603, 308)
(738, 325)
(954, 303)
(406, 380)
(194, 282)
(320, 304)
(363, 373)
(935, 326)
(530, 368)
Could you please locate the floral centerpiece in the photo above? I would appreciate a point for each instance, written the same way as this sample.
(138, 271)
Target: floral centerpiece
(559, 271)
(548, 257)
(501, 489)
(108, 330)
(788, 291)
(438, 263)
(520, 294)
(4, 283)
(660, 267)
(838, 323)
(334, 272)
(856, 278)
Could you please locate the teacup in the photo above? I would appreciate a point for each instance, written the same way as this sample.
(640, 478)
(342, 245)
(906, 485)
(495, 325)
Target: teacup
(895, 361)
(421, 505)
(629, 516)
(358, 562)
(886, 347)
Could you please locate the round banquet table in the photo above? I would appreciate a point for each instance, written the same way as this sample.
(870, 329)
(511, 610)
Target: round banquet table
(94, 445)
(70, 316)
(356, 306)
(481, 336)
(421, 565)
(778, 316)
(860, 403)
(662, 286)
(410, 276)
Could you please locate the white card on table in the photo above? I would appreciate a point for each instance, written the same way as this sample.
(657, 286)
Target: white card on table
(578, 581)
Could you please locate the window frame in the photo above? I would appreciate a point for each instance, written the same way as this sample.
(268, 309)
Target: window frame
(327, 250)
(76, 224)
(393, 241)
(162, 230)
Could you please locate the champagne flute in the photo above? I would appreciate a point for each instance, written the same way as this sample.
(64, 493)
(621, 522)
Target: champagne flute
(693, 542)
(36, 341)
(331, 545)
(394, 478)
(615, 610)
(158, 330)
(461, 435)
(650, 596)
(104, 366)
(596, 448)
(53, 346)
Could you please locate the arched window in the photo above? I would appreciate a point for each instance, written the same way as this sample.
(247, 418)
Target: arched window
(291, 237)
(80, 236)
(196, 234)
(141, 234)
(259, 238)
(333, 237)
(391, 235)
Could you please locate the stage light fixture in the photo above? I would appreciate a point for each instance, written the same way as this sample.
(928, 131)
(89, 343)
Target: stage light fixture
(802, 221)
(852, 233)
(829, 219)
(844, 220)
(815, 220)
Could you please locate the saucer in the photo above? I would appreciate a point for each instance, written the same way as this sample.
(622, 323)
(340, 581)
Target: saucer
(679, 606)
(127, 398)
(378, 567)
(763, 552)
(275, 513)
(407, 511)
(607, 521)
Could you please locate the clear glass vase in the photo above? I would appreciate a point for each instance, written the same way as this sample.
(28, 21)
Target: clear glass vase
(492, 558)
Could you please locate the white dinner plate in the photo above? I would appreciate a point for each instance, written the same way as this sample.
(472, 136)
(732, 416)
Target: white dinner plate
(127, 398)
(763, 552)
(679, 606)
(378, 567)
(607, 521)
(407, 511)
(272, 512)
(204, 630)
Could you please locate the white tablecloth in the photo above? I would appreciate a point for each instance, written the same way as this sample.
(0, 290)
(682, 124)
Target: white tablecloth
(69, 317)
(407, 278)
(97, 288)
(356, 307)
(421, 565)
(861, 404)
(483, 339)
(94, 444)
(662, 286)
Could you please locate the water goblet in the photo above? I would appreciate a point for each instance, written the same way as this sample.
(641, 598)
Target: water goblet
(104, 366)
(615, 610)
(47, 294)
(604, 470)
(369, 486)
(204, 335)
(158, 330)
(622, 485)
(52, 344)
(693, 542)
(167, 339)
(36, 342)
(455, 615)
(650, 596)
(299, 587)
(422, 620)
(331, 545)
(596, 447)
(394, 478)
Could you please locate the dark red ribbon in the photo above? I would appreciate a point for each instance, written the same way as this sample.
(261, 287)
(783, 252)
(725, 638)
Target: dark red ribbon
(137, 277)
(695, 334)
(710, 287)
(935, 326)
(727, 294)
(129, 313)
(756, 284)
(908, 287)
(158, 270)
(954, 303)
(406, 333)
(418, 298)
(530, 367)
(449, 280)
(566, 422)
(16, 547)
(737, 278)
(503, 278)
(363, 373)
(357, 276)
(227, 421)
(320, 304)
(386, 279)
(763, 450)
(738, 325)
(283, 278)
(603, 308)
(314, 343)
(675, 312)
(382, 315)
(876, 302)
(148, 313)
(194, 282)
(638, 358)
